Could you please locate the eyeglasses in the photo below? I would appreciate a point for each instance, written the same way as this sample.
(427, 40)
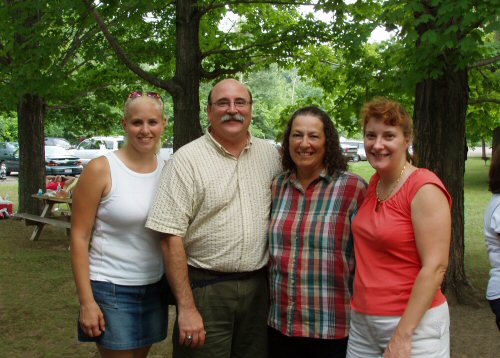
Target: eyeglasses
(225, 103)
(136, 94)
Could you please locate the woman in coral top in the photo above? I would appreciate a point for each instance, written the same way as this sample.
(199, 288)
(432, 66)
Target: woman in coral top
(402, 237)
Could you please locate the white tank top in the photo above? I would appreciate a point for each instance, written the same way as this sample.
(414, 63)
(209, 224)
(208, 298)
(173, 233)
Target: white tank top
(123, 251)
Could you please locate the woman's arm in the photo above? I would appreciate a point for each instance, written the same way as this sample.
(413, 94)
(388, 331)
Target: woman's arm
(431, 219)
(93, 184)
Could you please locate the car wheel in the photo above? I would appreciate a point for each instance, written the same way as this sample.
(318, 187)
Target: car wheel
(7, 172)
(355, 158)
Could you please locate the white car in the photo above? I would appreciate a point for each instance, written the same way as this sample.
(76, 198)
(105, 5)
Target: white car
(349, 151)
(94, 147)
(360, 148)
(165, 153)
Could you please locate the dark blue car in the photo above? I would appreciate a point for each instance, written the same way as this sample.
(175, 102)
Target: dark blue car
(57, 162)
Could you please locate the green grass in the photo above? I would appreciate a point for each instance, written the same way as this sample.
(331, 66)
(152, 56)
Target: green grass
(38, 303)
(363, 169)
(476, 199)
(9, 188)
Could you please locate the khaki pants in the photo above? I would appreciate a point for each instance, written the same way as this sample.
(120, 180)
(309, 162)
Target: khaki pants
(235, 317)
(370, 335)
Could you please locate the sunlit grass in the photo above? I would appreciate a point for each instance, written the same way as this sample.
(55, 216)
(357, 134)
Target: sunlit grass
(9, 188)
(476, 198)
(362, 168)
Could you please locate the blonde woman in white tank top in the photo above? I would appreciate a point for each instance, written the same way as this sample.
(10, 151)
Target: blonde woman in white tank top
(116, 261)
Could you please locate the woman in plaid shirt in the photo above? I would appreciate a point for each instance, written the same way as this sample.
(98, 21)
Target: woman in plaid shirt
(311, 247)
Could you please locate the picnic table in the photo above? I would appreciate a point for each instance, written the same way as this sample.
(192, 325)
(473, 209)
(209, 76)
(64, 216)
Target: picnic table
(47, 217)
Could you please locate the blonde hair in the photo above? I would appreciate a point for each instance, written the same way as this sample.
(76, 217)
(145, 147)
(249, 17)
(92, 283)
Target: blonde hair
(130, 100)
(156, 101)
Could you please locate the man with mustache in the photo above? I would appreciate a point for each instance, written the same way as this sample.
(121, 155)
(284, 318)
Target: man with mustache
(213, 207)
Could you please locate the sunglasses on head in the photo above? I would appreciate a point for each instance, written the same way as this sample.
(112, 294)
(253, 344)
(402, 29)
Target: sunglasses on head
(136, 94)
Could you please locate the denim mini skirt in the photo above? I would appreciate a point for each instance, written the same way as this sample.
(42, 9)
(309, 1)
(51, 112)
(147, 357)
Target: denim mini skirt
(135, 316)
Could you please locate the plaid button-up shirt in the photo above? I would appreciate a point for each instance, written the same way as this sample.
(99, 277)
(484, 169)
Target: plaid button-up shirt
(312, 254)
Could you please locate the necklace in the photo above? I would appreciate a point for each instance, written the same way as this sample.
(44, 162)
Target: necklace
(381, 199)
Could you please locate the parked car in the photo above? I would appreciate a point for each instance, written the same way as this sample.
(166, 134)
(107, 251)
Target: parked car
(60, 142)
(166, 153)
(349, 151)
(7, 149)
(360, 145)
(94, 147)
(57, 162)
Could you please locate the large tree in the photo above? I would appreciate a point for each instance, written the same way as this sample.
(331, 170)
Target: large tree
(191, 34)
(42, 61)
(437, 43)
(446, 38)
(22, 21)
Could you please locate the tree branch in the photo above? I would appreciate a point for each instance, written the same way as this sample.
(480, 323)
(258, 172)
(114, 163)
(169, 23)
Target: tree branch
(209, 75)
(77, 67)
(249, 47)
(213, 6)
(169, 86)
(75, 98)
(484, 100)
(484, 62)
(79, 39)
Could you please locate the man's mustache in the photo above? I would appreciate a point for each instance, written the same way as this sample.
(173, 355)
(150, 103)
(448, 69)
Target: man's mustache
(232, 117)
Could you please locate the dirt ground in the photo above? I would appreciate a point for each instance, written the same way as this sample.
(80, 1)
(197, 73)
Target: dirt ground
(473, 332)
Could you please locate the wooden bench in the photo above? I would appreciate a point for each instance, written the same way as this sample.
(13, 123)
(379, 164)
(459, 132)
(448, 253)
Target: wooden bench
(32, 219)
(40, 222)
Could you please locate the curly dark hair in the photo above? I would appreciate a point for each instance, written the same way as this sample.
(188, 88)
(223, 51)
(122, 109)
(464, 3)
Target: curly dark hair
(494, 174)
(334, 160)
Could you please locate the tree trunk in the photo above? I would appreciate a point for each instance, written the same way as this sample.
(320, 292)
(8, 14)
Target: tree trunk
(496, 139)
(187, 74)
(440, 108)
(30, 116)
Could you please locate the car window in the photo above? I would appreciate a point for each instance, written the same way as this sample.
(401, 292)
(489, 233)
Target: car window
(3, 145)
(96, 144)
(120, 143)
(55, 150)
(108, 144)
(61, 142)
(86, 144)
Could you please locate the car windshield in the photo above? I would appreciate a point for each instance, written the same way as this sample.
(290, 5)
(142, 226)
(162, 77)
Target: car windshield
(54, 150)
(60, 142)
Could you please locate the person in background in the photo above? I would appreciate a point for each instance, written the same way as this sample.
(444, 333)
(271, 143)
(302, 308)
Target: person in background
(310, 241)
(213, 208)
(492, 236)
(53, 182)
(120, 276)
(402, 236)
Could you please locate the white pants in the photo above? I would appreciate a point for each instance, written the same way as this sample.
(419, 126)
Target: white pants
(370, 335)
